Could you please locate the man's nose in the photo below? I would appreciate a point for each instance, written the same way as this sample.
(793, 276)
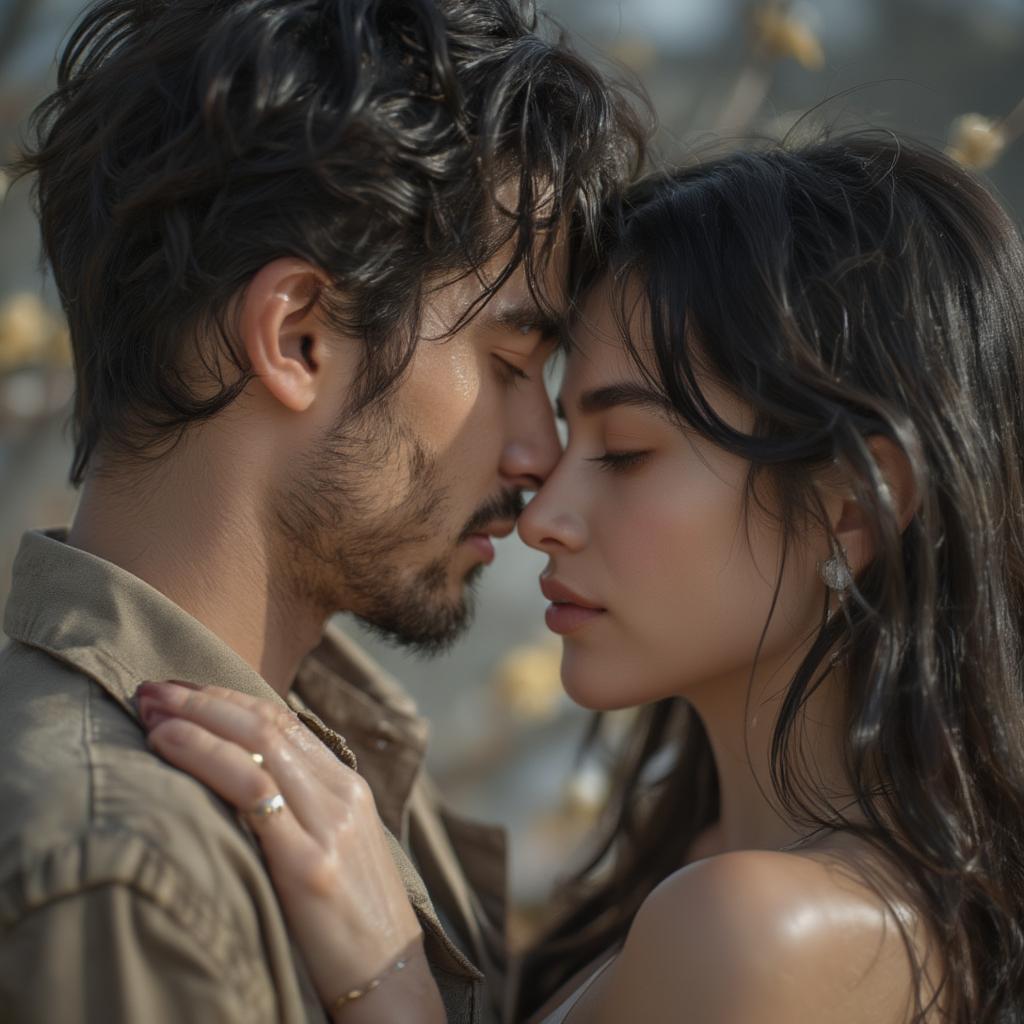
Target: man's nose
(532, 447)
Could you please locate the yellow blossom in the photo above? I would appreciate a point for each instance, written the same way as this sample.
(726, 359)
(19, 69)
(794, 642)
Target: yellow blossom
(975, 141)
(529, 680)
(779, 34)
(31, 334)
(636, 53)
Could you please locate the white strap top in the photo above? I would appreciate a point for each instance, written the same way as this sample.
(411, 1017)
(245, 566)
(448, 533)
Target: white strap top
(558, 1015)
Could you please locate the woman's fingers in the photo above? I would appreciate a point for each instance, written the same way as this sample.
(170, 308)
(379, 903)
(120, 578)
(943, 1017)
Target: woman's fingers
(233, 774)
(326, 849)
(257, 728)
(273, 714)
(339, 885)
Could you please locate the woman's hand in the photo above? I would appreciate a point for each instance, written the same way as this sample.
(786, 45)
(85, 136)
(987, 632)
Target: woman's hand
(324, 844)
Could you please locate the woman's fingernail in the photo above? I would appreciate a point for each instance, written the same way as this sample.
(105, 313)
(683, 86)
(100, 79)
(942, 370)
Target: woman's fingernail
(146, 689)
(174, 687)
(152, 710)
(169, 694)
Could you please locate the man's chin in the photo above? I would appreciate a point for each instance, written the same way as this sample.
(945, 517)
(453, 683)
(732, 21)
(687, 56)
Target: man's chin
(425, 640)
(427, 626)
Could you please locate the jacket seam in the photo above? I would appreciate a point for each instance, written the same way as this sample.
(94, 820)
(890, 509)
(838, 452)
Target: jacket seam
(87, 743)
(184, 907)
(246, 996)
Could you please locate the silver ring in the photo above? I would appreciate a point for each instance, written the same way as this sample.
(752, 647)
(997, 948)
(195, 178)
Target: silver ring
(268, 807)
(257, 759)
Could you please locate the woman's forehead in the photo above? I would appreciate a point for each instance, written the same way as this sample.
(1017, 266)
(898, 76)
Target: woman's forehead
(599, 336)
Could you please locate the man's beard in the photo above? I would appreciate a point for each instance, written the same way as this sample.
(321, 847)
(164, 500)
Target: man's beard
(345, 544)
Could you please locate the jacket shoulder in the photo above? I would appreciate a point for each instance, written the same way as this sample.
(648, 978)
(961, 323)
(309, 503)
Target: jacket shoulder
(78, 780)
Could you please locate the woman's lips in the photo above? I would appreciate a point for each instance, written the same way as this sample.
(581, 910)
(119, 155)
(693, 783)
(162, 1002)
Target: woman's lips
(568, 610)
(565, 618)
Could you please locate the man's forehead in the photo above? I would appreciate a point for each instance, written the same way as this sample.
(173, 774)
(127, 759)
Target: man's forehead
(545, 267)
(522, 296)
(535, 292)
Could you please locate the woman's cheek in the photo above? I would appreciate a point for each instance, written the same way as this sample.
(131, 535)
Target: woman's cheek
(681, 578)
(666, 537)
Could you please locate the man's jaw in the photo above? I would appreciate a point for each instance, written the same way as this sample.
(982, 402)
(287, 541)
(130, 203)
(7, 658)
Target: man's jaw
(427, 610)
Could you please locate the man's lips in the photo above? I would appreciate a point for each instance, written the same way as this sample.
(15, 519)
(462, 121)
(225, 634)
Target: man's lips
(568, 610)
(499, 529)
(481, 540)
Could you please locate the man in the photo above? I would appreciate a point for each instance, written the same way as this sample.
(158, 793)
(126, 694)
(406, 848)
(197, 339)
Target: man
(313, 258)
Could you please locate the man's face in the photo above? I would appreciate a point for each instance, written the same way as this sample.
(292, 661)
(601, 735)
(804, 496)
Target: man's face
(391, 515)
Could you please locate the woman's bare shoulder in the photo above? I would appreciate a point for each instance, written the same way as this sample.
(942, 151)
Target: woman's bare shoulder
(766, 936)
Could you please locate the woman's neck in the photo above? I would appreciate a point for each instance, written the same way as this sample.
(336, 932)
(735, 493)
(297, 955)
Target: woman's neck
(740, 716)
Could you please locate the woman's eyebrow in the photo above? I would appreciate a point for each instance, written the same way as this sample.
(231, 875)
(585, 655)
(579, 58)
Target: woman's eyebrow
(611, 395)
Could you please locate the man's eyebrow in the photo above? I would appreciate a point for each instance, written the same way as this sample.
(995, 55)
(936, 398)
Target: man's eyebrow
(527, 314)
(625, 393)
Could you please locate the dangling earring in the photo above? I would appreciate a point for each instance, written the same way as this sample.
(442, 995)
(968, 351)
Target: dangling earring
(835, 572)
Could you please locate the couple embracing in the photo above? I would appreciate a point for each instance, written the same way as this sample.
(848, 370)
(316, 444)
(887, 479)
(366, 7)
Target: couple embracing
(315, 257)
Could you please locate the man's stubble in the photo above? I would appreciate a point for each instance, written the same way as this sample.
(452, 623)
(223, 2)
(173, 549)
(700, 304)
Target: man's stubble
(352, 543)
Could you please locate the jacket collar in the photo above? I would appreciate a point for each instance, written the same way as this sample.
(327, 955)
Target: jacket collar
(112, 626)
(118, 630)
(352, 695)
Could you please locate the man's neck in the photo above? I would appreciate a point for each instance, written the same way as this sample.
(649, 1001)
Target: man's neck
(202, 544)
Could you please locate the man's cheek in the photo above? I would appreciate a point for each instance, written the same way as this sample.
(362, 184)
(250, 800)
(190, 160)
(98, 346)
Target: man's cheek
(451, 414)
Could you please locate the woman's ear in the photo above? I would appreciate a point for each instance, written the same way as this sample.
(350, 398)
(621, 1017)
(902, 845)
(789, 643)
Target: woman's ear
(852, 524)
(281, 332)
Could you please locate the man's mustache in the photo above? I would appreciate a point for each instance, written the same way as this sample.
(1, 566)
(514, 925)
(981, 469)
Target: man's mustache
(502, 507)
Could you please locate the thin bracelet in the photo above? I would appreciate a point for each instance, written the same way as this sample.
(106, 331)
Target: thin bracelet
(357, 993)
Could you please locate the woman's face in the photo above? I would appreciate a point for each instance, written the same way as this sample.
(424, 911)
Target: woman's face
(646, 524)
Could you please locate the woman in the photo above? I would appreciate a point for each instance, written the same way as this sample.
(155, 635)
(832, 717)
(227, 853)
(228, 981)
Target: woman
(789, 524)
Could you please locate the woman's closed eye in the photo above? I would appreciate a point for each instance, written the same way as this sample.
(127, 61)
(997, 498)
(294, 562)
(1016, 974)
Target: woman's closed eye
(620, 461)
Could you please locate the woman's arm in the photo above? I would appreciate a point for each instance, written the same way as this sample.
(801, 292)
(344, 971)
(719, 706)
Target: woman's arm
(325, 847)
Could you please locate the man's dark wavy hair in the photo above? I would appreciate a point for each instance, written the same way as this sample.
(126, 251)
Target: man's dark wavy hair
(191, 142)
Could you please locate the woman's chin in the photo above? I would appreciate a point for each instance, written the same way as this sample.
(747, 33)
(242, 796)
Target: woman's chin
(601, 683)
(595, 690)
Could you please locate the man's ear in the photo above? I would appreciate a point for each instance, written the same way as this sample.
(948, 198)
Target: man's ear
(281, 332)
(853, 526)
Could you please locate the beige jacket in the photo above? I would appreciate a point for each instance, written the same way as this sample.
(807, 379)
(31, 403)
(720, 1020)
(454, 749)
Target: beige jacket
(128, 891)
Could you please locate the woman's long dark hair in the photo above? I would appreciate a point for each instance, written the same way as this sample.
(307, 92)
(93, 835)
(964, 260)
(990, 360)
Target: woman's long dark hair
(859, 287)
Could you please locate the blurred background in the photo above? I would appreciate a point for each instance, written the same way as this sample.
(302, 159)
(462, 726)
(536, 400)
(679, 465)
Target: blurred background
(506, 740)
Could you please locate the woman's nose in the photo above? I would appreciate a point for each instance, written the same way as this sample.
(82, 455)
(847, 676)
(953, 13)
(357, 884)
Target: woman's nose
(550, 522)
